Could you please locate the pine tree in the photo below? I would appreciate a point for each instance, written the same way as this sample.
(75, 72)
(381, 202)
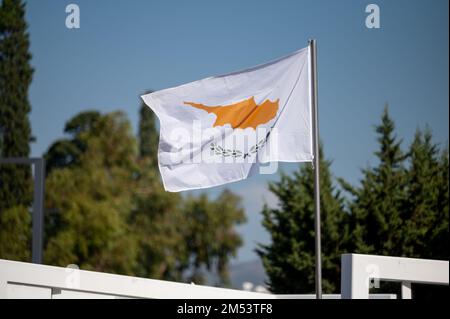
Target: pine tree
(376, 219)
(401, 206)
(420, 208)
(426, 205)
(148, 136)
(425, 210)
(290, 257)
(15, 79)
(439, 237)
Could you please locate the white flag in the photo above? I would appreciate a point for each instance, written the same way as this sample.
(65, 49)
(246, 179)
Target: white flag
(220, 129)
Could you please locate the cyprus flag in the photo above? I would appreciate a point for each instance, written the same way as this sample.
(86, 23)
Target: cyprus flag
(223, 128)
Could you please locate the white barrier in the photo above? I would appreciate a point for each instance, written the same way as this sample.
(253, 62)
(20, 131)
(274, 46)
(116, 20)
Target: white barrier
(361, 272)
(25, 280)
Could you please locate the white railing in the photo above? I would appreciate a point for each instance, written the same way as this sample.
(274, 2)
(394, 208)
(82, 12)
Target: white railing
(25, 280)
(359, 273)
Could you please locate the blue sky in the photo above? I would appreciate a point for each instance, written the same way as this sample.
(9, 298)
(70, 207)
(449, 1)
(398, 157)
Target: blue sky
(124, 48)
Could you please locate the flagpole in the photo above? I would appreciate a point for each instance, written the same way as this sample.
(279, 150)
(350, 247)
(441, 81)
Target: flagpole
(315, 123)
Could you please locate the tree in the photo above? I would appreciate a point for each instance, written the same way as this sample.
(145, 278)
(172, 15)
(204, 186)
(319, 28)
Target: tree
(401, 206)
(290, 257)
(376, 211)
(425, 210)
(156, 222)
(15, 132)
(156, 218)
(183, 239)
(421, 208)
(107, 210)
(67, 152)
(210, 235)
(148, 136)
(15, 79)
(439, 239)
(15, 234)
(88, 204)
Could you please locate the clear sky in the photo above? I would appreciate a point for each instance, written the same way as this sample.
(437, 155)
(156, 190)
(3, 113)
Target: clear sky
(124, 48)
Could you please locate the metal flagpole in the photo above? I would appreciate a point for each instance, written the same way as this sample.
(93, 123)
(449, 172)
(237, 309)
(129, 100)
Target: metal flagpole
(315, 123)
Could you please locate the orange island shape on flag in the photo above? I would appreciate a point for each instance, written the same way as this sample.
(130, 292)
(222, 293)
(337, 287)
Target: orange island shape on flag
(242, 114)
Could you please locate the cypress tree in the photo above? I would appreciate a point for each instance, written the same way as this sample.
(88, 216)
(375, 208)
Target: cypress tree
(15, 79)
(15, 131)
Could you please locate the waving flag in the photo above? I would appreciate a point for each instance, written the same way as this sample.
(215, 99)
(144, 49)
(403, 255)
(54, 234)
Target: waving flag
(221, 129)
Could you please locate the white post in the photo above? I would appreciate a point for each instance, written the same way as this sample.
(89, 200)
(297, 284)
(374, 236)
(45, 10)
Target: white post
(354, 280)
(406, 290)
(357, 271)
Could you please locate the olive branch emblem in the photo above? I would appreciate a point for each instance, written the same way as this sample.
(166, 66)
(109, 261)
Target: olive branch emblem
(225, 152)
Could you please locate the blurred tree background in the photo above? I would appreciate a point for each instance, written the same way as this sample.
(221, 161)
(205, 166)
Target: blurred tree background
(106, 210)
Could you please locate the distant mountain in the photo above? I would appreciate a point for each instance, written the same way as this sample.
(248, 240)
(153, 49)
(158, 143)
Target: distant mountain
(250, 271)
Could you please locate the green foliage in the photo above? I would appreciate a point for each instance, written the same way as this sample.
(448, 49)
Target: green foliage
(439, 238)
(424, 212)
(15, 234)
(87, 204)
(155, 219)
(400, 208)
(210, 237)
(155, 222)
(184, 238)
(289, 259)
(377, 212)
(106, 209)
(15, 78)
(15, 131)
(65, 153)
(148, 136)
